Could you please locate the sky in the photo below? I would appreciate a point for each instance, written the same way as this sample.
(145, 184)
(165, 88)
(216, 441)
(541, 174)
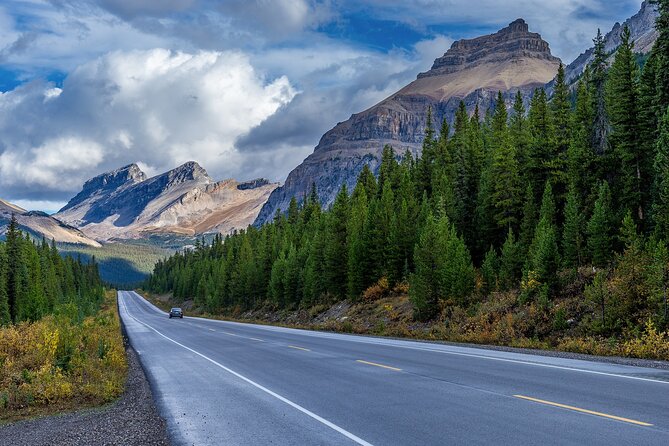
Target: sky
(244, 87)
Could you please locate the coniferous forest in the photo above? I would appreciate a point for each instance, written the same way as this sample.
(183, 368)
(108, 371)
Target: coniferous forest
(36, 281)
(566, 197)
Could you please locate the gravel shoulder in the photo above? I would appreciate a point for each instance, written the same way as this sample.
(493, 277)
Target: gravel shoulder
(132, 420)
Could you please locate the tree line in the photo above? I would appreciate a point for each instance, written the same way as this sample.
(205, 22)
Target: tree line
(515, 199)
(35, 280)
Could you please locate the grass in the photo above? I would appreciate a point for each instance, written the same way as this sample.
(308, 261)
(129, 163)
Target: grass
(59, 364)
(500, 320)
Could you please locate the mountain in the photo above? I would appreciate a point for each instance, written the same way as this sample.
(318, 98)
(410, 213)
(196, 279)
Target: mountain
(125, 204)
(473, 71)
(643, 32)
(39, 225)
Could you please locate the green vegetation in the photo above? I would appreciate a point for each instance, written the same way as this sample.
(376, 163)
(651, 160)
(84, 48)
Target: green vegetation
(35, 280)
(122, 263)
(60, 339)
(61, 362)
(547, 226)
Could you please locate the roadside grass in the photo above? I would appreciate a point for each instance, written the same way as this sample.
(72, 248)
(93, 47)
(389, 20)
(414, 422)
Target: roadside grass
(61, 364)
(499, 320)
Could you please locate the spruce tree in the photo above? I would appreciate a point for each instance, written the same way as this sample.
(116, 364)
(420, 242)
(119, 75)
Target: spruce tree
(661, 181)
(561, 114)
(622, 106)
(572, 235)
(661, 48)
(336, 249)
(4, 303)
(599, 229)
(542, 149)
(600, 127)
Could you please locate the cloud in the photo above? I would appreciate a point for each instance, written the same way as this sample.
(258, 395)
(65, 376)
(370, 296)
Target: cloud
(159, 107)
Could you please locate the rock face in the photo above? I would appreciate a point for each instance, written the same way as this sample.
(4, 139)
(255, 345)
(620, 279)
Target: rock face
(185, 200)
(643, 32)
(39, 225)
(472, 70)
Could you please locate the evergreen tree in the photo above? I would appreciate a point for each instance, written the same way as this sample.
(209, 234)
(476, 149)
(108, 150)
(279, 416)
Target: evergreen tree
(572, 235)
(600, 243)
(622, 106)
(661, 186)
(336, 249)
(561, 114)
(600, 127)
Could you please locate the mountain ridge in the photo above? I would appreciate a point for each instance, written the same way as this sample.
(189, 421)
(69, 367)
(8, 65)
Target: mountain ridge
(472, 70)
(126, 204)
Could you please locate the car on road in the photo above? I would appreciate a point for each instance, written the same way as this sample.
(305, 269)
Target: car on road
(176, 312)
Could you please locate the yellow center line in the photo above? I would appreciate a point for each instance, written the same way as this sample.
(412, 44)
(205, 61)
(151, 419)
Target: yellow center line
(379, 365)
(299, 348)
(578, 409)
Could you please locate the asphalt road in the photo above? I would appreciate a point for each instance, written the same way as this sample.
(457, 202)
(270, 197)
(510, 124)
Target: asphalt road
(226, 383)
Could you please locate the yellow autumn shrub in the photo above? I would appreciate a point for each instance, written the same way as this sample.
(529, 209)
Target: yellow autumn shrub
(60, 360)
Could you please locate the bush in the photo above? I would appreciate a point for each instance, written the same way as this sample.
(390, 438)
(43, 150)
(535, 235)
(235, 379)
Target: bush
(377, 291)
(57, 360)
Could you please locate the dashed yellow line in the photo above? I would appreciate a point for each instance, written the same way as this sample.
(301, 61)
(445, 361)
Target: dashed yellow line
(578, 409)
(379, 365)
(299, 348)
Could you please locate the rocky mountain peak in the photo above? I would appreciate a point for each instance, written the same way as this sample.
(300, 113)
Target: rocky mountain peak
(512, 42)
(190, 171)
(108, 181)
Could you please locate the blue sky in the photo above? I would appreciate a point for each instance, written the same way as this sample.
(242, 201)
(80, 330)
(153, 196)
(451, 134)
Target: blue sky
(245, 87)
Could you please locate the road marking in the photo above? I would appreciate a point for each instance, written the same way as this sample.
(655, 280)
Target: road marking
(578, 409)
(256, 339)
(231, 334)
(211, 329)
(384, 343)
(379, 365)
(307, 412)
(299, 348)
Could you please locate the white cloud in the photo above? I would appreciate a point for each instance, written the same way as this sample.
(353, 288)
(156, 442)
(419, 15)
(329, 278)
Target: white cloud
(158, 106)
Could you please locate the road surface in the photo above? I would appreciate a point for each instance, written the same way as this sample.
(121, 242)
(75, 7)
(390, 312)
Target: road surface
(226, 383)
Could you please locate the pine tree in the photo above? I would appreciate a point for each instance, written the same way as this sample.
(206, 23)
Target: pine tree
(622, 106)
(489, 271)
(519, 132)
(510, 263)
(661, 48)
(4, 303)
(356, 243)
(600, 243)
(543, 256)
(580, 155)
(661, 182)
(425, 163)
(542, 150)
(600, 127)
(504, 169)
(561, 114)
(572, 235)
(336, 249)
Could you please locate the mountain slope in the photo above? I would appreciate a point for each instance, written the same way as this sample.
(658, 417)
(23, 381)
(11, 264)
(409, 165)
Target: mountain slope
(126, 204)
(643, 33)
(39, 224)
(471, 70)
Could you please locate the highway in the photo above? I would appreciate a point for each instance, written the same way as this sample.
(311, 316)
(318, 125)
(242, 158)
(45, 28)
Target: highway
(226, 383)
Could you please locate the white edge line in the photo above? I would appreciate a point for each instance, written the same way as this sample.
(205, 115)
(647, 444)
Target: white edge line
(342, 337)
(307, 412)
